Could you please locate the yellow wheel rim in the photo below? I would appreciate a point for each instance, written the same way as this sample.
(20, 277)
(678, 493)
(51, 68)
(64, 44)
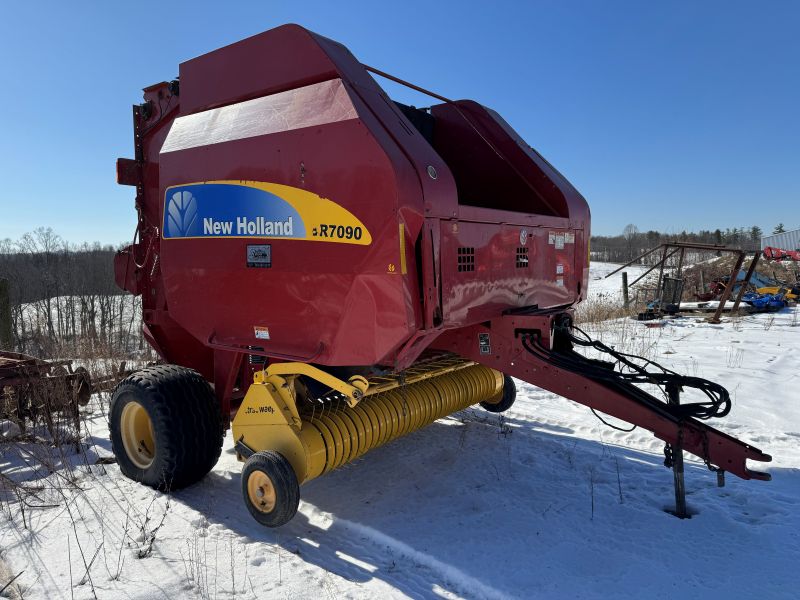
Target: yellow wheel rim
(261, 492)
(137, 435)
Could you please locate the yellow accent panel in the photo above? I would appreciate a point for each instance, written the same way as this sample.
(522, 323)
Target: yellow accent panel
(403, 270)
(316, 210)
(265, 422)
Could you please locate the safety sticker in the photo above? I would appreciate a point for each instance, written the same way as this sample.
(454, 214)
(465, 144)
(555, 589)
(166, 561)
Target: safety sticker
(484, 345)
(560, 281)
(558, 239)
(259, 256)
(559, 269)
(261, 333)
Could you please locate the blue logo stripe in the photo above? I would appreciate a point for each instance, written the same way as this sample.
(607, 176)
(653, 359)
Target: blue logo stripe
(229, 210)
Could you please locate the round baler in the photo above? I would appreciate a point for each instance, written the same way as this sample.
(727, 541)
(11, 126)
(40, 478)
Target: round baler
(325, 270)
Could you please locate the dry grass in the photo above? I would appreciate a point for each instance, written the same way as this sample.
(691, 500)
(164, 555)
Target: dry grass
(65, 474)
(605, 318)
(601, 308)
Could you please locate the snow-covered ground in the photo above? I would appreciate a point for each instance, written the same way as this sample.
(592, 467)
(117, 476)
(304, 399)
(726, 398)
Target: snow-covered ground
(545, 503)
(603, 283)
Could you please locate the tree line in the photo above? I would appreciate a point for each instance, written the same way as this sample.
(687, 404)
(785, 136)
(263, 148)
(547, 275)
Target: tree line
(632, 242)
(64, 302)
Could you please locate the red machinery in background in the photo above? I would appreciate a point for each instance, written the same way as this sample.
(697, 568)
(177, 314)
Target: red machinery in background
(348, 269)
(779, 254)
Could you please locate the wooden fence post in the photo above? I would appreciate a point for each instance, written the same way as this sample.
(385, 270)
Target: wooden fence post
(625, 298)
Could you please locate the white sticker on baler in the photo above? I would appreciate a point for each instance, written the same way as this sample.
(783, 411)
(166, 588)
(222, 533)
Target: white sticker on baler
(559, 269)
(569, 238)
(261, 333)
(559, 241)
(484, 345)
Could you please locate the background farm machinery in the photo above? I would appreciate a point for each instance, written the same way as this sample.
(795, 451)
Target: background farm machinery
(34, 390)
(677, 287)
(37, 392)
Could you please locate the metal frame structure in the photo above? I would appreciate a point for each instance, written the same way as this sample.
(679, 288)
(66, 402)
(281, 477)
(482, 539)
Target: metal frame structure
(670, 249)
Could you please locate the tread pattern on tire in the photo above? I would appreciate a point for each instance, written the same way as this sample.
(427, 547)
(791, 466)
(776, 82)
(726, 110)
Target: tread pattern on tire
(284, 479)
(187, 424)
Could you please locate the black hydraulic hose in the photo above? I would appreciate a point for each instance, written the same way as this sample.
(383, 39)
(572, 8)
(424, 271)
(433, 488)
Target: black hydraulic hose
(718, 404)
(562, 361)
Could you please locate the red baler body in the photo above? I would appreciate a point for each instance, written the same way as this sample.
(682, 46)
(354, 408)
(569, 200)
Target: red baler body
(290, 210)
(293, 108)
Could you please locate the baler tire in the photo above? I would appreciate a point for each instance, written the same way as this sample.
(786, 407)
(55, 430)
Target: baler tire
(284, 494)
(507, 400)
(185, 422)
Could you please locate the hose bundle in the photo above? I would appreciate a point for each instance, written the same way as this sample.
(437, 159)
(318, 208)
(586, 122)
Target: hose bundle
(627, 371)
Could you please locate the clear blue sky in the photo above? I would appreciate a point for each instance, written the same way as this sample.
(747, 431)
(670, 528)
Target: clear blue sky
(668, 115)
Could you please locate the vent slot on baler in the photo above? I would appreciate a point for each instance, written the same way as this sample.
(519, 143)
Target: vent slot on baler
(466, 259)
(522, 258)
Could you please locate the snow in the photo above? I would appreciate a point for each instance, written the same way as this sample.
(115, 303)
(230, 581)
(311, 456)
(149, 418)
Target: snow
(546, 502)
(602, 283)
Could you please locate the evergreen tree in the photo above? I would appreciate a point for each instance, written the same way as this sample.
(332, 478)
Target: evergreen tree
(779, 229)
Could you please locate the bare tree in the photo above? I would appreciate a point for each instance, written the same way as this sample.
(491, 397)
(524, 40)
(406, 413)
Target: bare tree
(64, 299)
(631, 235)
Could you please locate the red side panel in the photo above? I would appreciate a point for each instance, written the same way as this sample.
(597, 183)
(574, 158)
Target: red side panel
(489, 268)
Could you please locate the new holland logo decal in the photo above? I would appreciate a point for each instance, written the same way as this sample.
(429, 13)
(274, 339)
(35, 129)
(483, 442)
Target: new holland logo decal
(181, 214)
(251, 209)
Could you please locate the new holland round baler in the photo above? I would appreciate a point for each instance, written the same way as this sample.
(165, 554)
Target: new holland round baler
(323, 270)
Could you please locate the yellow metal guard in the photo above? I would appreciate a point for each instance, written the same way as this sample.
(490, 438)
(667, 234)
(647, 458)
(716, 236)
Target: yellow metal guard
(327, 435)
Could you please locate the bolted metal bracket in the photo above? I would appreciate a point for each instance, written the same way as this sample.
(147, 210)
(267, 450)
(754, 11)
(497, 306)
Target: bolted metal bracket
(353, 389)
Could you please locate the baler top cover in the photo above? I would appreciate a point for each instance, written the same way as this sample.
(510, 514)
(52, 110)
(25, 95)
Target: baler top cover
(289, 207)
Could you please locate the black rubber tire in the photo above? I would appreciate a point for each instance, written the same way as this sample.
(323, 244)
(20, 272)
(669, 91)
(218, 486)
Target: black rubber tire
(284, 481)
(187, 425)
(509, 395)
